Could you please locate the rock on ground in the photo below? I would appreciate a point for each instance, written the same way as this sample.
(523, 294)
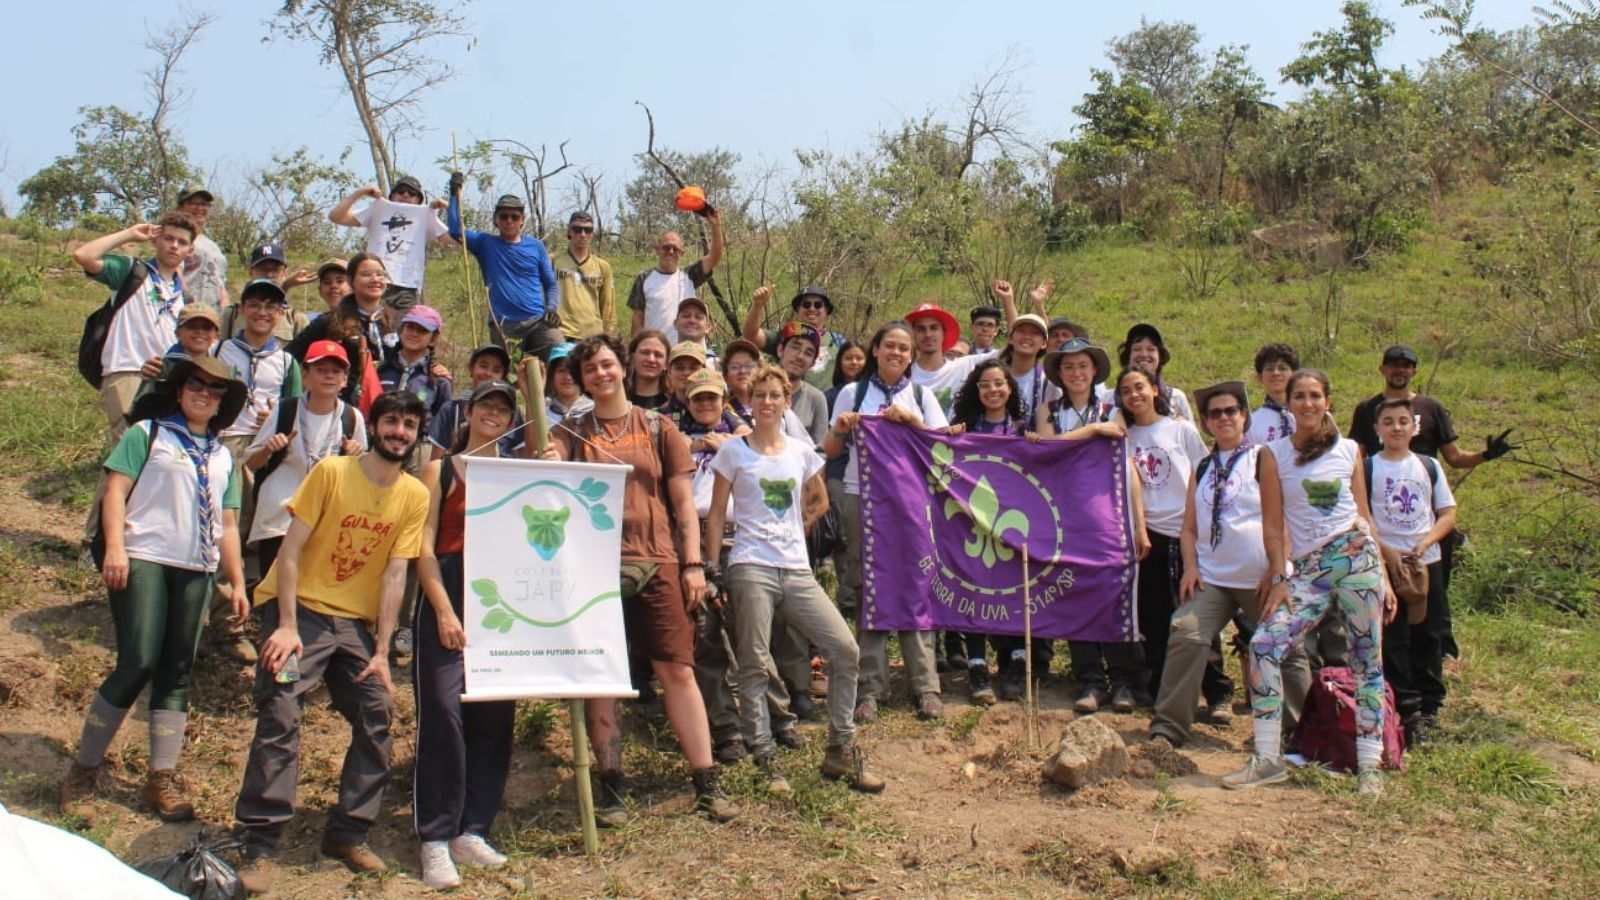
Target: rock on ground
(1089, 752)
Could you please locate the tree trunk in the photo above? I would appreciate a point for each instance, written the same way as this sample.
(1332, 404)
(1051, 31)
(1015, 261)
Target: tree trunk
(350, 66)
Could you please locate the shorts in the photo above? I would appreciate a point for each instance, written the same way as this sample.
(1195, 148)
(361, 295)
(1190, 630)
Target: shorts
(656, 619)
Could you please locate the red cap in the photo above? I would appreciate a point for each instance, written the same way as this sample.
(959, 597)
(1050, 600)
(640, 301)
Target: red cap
(320, 350)
(952, 330)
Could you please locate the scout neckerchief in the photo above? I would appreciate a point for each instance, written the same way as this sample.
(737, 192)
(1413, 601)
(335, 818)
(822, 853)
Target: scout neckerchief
(253, 358)
(889, 390)
(331, 440)
(745, 413)
(413, 372)
(171, 297)
(1286, 424)
(1220, 473)
(200, 456)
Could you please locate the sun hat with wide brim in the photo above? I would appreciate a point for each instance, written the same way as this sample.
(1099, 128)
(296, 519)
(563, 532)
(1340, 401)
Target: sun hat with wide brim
(162, 400)
(1234, 389)
(1052, 361)
(952, 329)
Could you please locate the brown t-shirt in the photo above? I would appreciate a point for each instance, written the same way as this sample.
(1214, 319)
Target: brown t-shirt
(646, 507)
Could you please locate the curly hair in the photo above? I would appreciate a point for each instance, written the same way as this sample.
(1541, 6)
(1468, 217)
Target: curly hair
(588, 347)
(1162, 404)
(968, 409)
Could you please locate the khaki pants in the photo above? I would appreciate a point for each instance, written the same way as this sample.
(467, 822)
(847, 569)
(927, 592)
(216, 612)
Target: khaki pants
(116, 400)
(1195, 625)
(916, 647)
(225, 629)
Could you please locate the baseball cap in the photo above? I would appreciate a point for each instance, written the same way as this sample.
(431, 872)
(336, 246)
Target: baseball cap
(423, 317)
(320, 350)
(691, 349)
(510, 201)
(692, 300)
(268, 252)
(703, 382)
(203, 311)
(1033, 319)
(329, 265)
(1400, 353)
(797, 329)
(494, 386)
(193, 192)
(263, 287)
(580, 216)
(559, 351)
(495, 350)
(409, 183)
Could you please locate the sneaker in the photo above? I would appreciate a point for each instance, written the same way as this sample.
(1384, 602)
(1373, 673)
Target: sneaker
(403, 643)
(709, 797)
(162, 794)
(1122, 699)
(258, 871)
(849, 763)
(438, 870)
(1013, 683)
(866, 711)
(357, 856)
(978, 684)
(472, 850)
(1369, 783)
(731, 750)
(1257, 772)
(776, 783)
(789, 738)
(610, 809)
(77, 792)
(1089, 700)
(1220, 712)
(930, 706)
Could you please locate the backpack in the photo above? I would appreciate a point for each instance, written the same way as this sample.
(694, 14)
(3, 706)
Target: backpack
(1327, 729)
(861, 395)
(288, 416)
(97, 327)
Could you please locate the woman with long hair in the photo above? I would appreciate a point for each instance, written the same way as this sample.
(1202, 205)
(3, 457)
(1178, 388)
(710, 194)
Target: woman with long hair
(883, 388)
(647, 370)
(848, 361)
(1314, 496)
(1144, 348)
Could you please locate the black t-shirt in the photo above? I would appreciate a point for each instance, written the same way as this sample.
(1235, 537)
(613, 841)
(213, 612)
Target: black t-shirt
(1434, 428)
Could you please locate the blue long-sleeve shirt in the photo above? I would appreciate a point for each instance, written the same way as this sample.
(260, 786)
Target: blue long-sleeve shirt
(520, 277)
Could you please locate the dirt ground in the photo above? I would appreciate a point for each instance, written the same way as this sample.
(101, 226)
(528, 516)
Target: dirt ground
(965, 814)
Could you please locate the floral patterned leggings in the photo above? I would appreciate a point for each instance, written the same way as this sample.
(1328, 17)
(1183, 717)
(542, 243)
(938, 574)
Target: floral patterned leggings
(1347, 571)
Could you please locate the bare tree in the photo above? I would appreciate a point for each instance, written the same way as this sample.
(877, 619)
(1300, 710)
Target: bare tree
(524, 158)
(169, 46)
(381, 49)
(993, 109)
(586, 197)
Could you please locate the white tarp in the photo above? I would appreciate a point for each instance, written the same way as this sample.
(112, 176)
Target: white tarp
(543, 557)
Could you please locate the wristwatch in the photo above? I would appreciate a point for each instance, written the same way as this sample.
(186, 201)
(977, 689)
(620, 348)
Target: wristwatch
(1280, 578)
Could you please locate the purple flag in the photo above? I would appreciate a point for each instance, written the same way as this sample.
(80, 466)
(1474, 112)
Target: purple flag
(945, 520)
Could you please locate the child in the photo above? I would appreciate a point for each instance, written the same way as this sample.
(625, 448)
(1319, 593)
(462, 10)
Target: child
(268, 263)
(487, 363)
(1271, 420)
(1413, 510)
(333, 283)
(693, 324)
(563, 396)
(410, 366)
(198, 326)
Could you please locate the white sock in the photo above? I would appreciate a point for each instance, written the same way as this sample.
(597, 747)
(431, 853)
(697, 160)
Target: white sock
(1269, 738)
(1369, 752)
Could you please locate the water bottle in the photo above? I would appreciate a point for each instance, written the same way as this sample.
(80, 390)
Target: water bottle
(290, 673)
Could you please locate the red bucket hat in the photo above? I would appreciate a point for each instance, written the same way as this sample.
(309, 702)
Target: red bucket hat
(952, 330)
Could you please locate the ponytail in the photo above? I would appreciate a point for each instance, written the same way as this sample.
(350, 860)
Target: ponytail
(1327, 433)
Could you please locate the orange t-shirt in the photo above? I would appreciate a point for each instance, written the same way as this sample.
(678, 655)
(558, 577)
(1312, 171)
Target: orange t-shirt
(647, 534)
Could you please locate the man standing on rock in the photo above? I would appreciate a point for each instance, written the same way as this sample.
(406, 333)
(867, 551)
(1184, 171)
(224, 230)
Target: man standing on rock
(339, 575)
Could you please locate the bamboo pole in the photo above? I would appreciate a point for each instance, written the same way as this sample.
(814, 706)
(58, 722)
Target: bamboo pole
(1030, 706)
(533, 392)
(466, 265)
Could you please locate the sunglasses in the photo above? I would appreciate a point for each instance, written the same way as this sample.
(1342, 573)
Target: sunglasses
(582, 229)
(1226, 412)
(668, 248)
(811, 304)
(214, 388)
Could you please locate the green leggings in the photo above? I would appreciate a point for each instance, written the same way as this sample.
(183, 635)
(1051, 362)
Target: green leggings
(158, 618)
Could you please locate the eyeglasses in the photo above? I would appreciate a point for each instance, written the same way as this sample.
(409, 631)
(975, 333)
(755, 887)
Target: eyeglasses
(582, 229)
(741, 369)
(812, 304)
(260, 303)
(668, 248)
(214, 388)
(1226, 412)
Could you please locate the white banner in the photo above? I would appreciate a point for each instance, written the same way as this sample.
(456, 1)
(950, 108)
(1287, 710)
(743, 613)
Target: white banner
(543, 560)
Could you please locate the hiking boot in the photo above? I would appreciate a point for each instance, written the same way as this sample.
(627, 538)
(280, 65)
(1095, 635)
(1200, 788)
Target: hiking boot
(776, 783)
(1220, 712)
(472, 850)
(77, 792)
(1122, 699)
(866, 711)
(709, 797)
(1257, 772)
(789, 738)
(731, 750)
(257, 872)
(610, 809)
(930, 706)
(848, 762)
(1369, 783)
(808, 710)
(978, 684)
(238, 648)
(1013, 683)
(404, 644)
(357, 856)
(162, 794)
(438, 869)
(1089, 701)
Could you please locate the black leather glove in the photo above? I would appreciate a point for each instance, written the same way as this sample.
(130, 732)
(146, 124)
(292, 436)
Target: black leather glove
(1497, 446)
(552, 319)
(457, 181)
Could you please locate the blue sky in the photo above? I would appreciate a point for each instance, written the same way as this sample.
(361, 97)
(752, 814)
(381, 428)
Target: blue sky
(758, 78)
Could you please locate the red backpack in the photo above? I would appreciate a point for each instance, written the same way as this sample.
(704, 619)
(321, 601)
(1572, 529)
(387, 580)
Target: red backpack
(1327, 729)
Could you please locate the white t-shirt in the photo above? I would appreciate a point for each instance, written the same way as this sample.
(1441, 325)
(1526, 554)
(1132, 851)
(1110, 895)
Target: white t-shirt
(1033, 387)
(1400, 493)
(1164, 454)
(143, 328)
(264, 373)
(945, 381)
(162, 525)
(320, 436)
(662, 294)
(399, 234)
(1317, 503)
(768, 515)
(1267, 425)
(205, 273)
(1240, 557)
(874, 402)
(1068, 419)
(705, 483)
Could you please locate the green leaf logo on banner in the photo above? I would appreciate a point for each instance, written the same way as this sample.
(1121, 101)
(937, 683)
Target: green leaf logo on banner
(499, 620)
(488, 592)
(547, 529)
